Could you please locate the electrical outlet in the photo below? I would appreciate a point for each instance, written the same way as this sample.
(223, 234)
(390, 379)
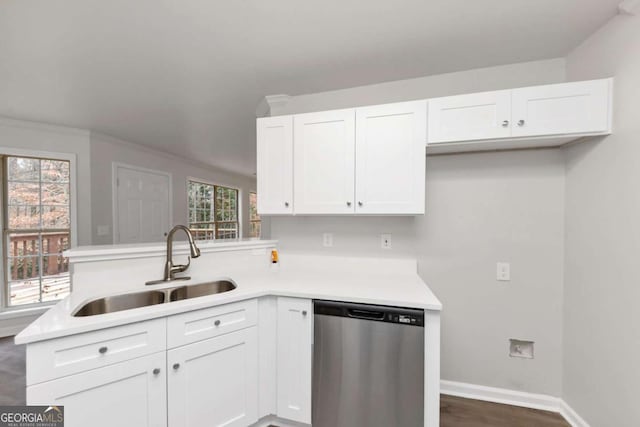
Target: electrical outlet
(503, 271)
(327, 240)
(385, 241)
(520, 348)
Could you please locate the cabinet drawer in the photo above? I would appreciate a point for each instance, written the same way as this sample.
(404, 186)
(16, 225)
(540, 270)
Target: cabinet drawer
(57, 358)
(202, 324)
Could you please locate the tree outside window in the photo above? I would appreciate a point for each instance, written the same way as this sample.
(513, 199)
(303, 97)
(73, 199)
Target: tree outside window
(36, 229)
(213, 211)
(254, 218)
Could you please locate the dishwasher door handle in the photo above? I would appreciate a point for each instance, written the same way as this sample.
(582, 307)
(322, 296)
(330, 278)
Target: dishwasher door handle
(365, 314)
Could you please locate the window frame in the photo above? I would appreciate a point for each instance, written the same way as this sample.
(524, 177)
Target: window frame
(5, 308)
(239, 204)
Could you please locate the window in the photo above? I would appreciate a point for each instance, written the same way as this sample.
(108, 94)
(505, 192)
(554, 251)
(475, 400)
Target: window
(213, 211)
(254, 218)
(36, 229)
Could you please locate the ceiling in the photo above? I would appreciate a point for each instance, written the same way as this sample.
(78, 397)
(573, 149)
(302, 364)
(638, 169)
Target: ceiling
(186, 76)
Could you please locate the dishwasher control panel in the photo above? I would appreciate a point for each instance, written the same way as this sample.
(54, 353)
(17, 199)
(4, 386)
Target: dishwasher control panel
(376, 313)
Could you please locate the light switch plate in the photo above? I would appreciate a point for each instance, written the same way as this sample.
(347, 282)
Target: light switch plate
(327, 240)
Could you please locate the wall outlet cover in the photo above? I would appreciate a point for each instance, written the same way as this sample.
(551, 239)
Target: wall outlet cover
(503, 271)
(327, 240)
(385, 241)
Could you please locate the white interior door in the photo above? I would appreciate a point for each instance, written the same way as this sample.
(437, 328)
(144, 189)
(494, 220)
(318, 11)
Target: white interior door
(142, 205)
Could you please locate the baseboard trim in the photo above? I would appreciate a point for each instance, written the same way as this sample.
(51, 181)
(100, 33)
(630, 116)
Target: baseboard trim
(512, 397)
(571, 416)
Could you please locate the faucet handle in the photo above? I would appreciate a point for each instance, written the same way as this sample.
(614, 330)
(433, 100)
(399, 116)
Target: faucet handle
(179, 268)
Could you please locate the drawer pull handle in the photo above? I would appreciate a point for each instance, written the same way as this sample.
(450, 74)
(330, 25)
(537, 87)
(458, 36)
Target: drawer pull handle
(521, 122)
(304, 312)
(156, 371)
(176, 366)
(102, 350)
(217, 323)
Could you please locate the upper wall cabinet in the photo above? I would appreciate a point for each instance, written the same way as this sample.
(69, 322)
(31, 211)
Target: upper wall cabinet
(469, 117)
(275, 165)
(569, 108)
(324, 162)
(390, 158)
(537, 116)
(367, 160)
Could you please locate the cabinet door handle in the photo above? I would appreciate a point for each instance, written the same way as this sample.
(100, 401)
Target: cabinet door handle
(102, 350)
(304, 312)
(286, 204)
(176, 366)
(520, 122)
(360, 203)
(156, 371)
(217, 323)
(505, 123)
(348, 203)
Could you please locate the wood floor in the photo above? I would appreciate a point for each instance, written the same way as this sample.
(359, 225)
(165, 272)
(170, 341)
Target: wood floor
(454, 411)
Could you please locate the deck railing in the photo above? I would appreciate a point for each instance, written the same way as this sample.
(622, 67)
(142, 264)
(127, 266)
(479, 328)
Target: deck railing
(25, 250)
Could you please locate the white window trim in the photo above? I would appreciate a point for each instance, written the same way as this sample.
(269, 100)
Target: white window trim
(114, 193)
(73, 218)
(218, 184)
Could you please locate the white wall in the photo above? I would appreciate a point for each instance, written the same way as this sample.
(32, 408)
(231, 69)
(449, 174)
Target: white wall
(106, 150)
(602, 282)
(481, 208)
(38, 137)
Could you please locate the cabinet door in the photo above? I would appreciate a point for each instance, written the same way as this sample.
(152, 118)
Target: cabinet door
(275, 165)
(214, 382)
(391, 145)
(295, 340)
(323, 165)
(127, 394)
(470, 117)
(566, 108)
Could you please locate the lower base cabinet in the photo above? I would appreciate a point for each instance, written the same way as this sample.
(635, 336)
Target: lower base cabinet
(126, 394)
(214, 382)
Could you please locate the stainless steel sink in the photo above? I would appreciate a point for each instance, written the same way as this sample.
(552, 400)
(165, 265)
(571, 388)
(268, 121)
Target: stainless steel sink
(115, 303)
(122, 302)
(201, 290)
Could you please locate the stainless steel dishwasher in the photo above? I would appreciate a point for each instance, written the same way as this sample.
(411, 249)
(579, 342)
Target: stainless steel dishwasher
(368, 366)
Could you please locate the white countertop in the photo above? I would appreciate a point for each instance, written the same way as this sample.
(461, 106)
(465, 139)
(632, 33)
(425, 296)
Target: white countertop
(392, 282)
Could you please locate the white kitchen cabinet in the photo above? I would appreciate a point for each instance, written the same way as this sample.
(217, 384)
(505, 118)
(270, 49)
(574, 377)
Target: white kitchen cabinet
(560, 109)
(470, 117)
(275, 165)
(538, 116)
(214, 382)
(294, 353)
(323, 162)
(391, 158)
(126, 394)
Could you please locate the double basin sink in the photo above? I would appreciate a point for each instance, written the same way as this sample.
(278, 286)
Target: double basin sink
(122, 302)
